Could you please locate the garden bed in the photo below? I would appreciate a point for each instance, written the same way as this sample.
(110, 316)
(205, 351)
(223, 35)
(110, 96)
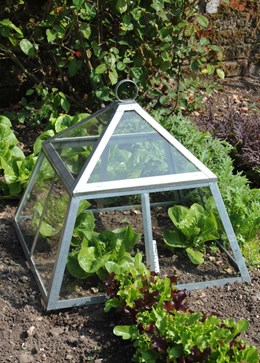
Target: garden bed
(30, 334)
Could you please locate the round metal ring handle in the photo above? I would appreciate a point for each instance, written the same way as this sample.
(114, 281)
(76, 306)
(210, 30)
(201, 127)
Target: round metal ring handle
(120, 84)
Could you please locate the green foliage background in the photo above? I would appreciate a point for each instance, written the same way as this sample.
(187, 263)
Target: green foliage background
(72, 53)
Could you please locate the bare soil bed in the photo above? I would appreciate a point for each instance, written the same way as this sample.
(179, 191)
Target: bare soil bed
(29, 334)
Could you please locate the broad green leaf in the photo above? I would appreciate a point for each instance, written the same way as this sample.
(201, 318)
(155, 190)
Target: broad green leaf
(51, 35)
(101, 69)
(86, 30)
(113, 76)
(190, 225)
(7, 136)
(127, 236)
(87, 257)
(252, 354)
(203, 21)
(83, 205)
(85, 221)
(14, 189)
(120, 66)
(7, 167)
(127, 24)
(121, 6)
(242, 326)
(177, 214)
(5, 122)
(40, 139)
(195, 66)
(47, 230)
(157, 5)
(78, 3)
(87, 11)
(29, 92)
(196, 257)
(16, 153)
(109, 238)
(112, 266)
(164, 65)
(7, 23)
(209, 230)
(27, 47)
(204, 41)
(81, 116)
(103, 93)
(111, 304)
(63, 122)
(74, 268)
(210, 68)
(74, 67)
(175, 352)
(65, 104)
(125, 331)
(220, 73)
(173, 238)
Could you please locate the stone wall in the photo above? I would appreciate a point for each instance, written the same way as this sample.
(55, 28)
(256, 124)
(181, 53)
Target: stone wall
(236, 27)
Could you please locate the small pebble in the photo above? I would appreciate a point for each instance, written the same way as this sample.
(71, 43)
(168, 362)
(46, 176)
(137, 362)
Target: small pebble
(94, 290)
(31, 331)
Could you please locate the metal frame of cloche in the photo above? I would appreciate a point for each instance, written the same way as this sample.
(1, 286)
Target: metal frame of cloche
(90, 179)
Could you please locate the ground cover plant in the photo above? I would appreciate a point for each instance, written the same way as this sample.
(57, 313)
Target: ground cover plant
(162, 327)
(241, 130)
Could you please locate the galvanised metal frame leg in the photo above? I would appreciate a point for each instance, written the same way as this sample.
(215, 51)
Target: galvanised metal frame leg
(62, 255)
(150, 245)
(230, 232)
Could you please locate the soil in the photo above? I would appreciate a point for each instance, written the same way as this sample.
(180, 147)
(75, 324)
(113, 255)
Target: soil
(30, 334)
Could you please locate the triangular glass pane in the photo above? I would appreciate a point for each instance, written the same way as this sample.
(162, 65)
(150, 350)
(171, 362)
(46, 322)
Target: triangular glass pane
(137, 150)
(92, 126)
(75, 145)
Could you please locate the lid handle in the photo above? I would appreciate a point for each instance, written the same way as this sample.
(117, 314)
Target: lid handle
(130, 87)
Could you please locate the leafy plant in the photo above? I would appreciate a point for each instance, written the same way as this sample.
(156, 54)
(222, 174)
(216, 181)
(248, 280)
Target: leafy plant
(162, 327)
(192, 227)
(51, 220)
(131, 288)
(15, 168)
(172, 336)
(96, 249)
(90, 250)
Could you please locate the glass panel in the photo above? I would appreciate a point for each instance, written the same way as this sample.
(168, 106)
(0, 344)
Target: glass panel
(92, 126)
(75, 146)
(205, 234)
(99, 234)
(49, 216)
(74, 156)
(38, 194)
(137, 150)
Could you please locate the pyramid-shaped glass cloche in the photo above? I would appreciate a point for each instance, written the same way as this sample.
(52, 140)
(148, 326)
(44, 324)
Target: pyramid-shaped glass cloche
(118, 159)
